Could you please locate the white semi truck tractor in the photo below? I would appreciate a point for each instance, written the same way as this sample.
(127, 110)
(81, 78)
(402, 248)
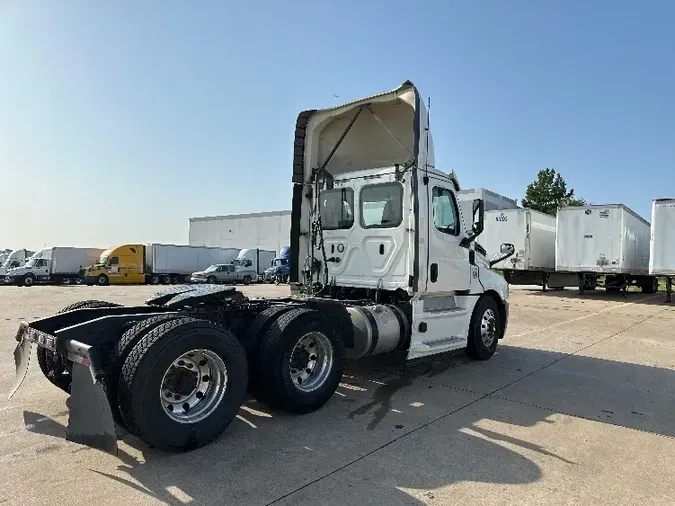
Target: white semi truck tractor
(381, 261)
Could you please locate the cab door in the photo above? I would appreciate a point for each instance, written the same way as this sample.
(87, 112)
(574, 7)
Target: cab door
(449, 267)
(441, 307)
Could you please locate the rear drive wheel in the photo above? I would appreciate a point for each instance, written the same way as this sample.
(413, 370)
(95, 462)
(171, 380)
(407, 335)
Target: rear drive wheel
(182, 384)
(485, 330)
(126, 343)
(55, 368)
(301, 361)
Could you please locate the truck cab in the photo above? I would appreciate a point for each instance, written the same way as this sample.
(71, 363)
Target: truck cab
(373, 216)
(118, 265)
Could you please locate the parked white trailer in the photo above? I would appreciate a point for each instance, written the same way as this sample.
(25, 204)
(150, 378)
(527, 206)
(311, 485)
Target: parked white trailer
(662, 242)
(183, 259)
(493, 201)
(533, 235)
(604, 240)
(54, 265)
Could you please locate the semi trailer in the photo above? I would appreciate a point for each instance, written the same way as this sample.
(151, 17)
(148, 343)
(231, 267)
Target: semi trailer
(662, 242)
(533, 236)
(57, 265)
(154, 263)
(604, 241)
(404, 277)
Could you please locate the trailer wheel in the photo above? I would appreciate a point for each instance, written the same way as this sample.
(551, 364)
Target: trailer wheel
(301, 361)
(247, 280)
(29, 279)
(102, 280)
(182, 384)
(52, 365)
(485, 330)
(166, 280)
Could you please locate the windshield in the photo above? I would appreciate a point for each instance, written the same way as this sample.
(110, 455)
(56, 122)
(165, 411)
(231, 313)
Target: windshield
(280, 261)
(211, 268)
(30, 262)
(104, 257)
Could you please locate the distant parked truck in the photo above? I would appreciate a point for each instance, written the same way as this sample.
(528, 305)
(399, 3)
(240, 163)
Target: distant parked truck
(604, 240)
(14, 259)
(257, 259)
(662, 243)
(54, 265)
(281, 268)
(154, 263)
(533, 235)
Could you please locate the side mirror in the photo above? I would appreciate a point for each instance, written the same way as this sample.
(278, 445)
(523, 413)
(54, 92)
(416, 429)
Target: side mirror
(478, 217)
(506, 250)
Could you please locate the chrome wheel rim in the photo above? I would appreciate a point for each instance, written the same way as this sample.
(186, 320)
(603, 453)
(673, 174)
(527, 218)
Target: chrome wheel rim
(193, 386)
(488, 327)
(311, 361)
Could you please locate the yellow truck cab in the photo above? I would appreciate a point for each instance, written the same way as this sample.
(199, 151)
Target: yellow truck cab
(118, 265)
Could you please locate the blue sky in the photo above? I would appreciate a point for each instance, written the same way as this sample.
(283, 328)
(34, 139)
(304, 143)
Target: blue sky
(120, 120)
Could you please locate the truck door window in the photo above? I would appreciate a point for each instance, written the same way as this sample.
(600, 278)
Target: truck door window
(114, 260)
(337, 208)
(382, 205)
(445, 212)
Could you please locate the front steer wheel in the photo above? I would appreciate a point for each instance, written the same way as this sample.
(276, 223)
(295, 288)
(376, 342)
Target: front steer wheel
(301, 361)
(485, 330)
(55, 368)
(182, 384)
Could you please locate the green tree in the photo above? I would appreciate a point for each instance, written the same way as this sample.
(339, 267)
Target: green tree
(548, 193)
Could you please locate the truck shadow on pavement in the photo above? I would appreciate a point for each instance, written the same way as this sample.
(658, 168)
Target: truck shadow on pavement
(393, 433)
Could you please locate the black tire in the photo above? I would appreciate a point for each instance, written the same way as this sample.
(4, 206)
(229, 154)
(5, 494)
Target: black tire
(274, 363)
(65, 281)
(476, 348)
(211, 280)
(613, 289)
(166, 280)
(247, 280)
(102, 280)
(154, 279)
(142, 374)
(256, 331)
(28, 280)
(123, 347)
(52, 364)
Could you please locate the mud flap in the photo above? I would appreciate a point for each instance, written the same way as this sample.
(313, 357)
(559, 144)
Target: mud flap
(90, 422)
(22, 354)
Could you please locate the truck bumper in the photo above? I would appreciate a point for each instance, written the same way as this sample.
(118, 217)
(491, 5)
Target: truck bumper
(197, 280)
(90, 420)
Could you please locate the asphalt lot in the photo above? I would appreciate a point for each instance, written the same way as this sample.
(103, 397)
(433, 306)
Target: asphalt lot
(577, 407)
